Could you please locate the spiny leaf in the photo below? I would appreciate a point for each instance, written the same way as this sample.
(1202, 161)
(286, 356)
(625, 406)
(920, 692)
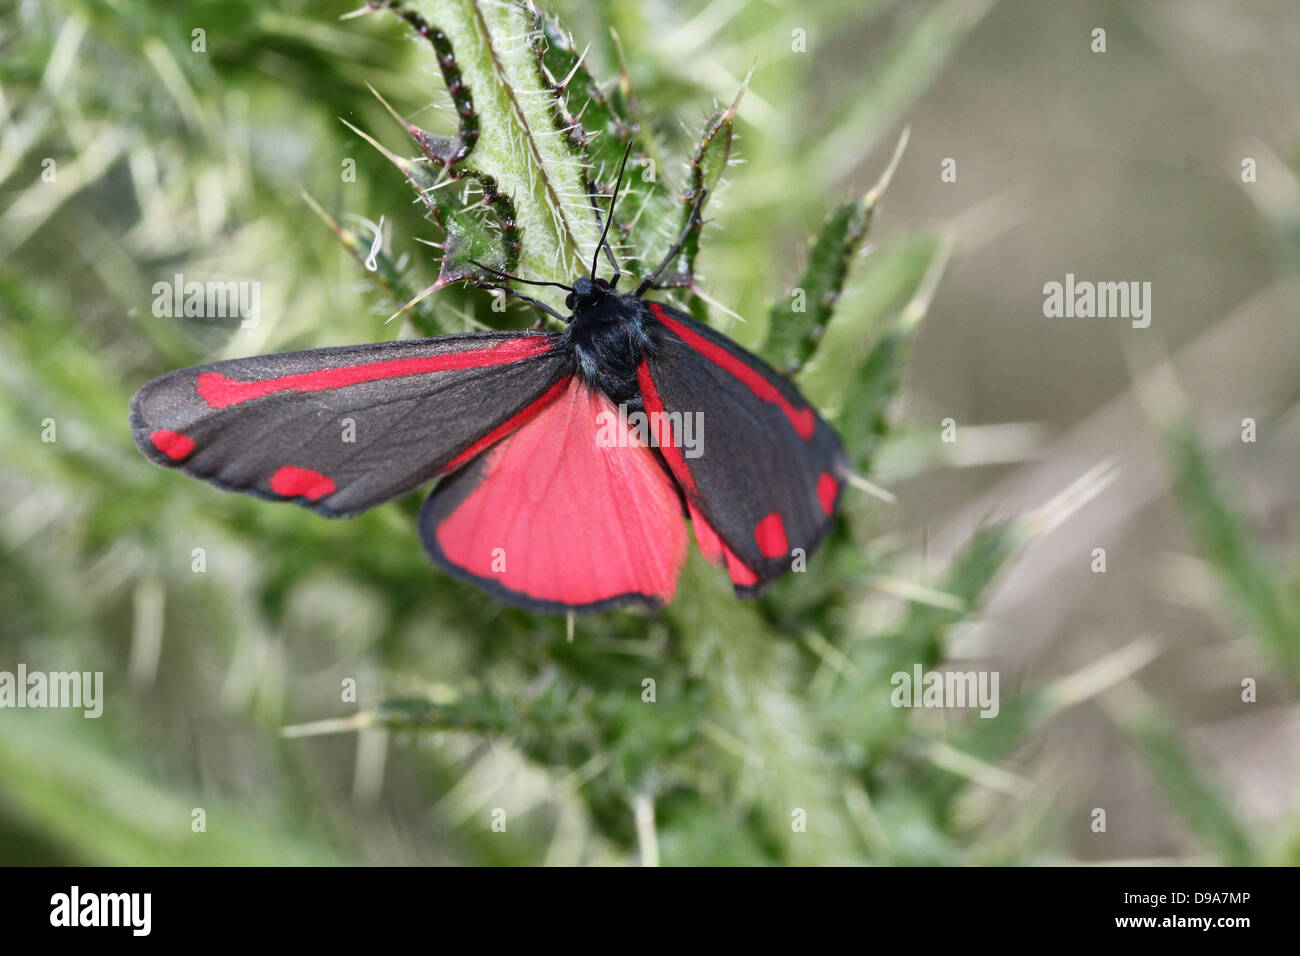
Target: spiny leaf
(480, 713)
(473, 236)
(587, 117)
(594, 127)
(1246, 575)
(708, 163)
(443, 150)
(450, 199)
(505, 142)
(968, 579)
(1195, 797)
(799, 320)
(860, 708)
(863, 416)
(602, 126)
(469, 233)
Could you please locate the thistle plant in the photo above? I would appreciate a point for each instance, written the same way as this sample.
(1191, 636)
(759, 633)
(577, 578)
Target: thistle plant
(315, 688)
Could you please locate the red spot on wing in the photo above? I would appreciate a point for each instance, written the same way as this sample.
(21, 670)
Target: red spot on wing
(711, 545)
(827, 489)
(222, 391)
(172, 444)
(770, 535)
(715, 550)
(803, 419)
(740, 573)
(519, 419)
(294, 482)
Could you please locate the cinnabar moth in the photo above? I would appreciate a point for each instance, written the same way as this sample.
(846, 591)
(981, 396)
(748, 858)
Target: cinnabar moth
(533, 506)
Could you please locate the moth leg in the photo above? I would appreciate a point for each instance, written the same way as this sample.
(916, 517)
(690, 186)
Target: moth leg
(535, 303)
(691, 222)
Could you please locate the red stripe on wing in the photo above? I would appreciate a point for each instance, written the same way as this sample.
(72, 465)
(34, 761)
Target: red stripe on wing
(803, 419)
(221, 391)
(711, 545)
(654, 407)
(522, 417)
(715, 550)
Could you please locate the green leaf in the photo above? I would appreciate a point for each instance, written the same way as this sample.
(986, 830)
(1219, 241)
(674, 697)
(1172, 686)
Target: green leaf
(968, 579)
(799, 320)
(602, 126)
(894, 296)
(708, 163)
(505, 144)
(477, 218)
(1194, 796)
(1246, 575)
(478, 713)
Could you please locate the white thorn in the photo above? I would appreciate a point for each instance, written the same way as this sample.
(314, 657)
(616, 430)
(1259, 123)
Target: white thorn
(873, 489)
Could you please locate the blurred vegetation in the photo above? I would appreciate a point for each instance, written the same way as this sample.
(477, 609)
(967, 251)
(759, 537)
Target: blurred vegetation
(223, 687)
(1258, 591)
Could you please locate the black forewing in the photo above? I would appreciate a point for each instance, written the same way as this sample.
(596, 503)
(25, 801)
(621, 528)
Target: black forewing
(764, 451)
(340, 430)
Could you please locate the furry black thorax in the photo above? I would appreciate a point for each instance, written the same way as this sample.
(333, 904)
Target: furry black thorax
(608, 335)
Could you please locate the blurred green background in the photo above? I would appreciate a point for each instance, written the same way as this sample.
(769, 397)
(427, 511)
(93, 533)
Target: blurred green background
(1120, 690)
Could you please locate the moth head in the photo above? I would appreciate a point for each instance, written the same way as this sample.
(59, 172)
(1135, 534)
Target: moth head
(586, 293)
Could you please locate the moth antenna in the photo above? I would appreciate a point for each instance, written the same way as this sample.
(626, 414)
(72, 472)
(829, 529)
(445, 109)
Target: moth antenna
(506, 275)
(609, 218)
